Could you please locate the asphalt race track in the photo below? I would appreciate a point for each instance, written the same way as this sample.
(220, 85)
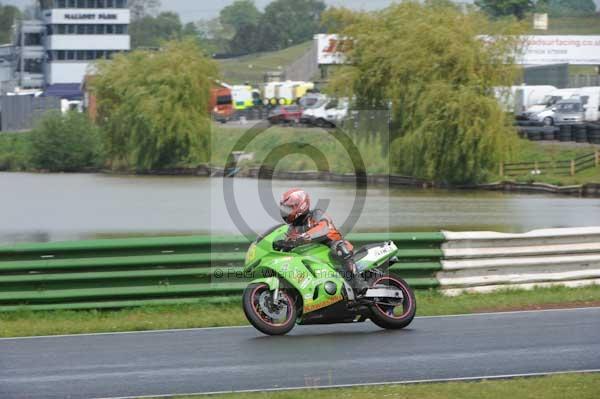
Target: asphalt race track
(228, 359)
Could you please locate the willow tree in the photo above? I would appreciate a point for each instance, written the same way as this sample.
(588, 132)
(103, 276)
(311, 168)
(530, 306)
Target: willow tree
(430, 63)
(153, 107)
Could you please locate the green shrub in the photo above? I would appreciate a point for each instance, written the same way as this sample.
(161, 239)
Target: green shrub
(65, 143)
(13, 151)
(153, 107)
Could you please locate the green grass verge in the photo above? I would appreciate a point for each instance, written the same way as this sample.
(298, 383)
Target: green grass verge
(580, 386)
(371, 149)
(252, 68)
(531, 151)
(228, 312)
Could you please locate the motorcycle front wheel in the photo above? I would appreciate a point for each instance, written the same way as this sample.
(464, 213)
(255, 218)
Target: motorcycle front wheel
(391, 313)
(264, 314)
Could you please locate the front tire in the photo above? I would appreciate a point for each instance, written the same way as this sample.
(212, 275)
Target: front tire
(548, 121)
(265, 316)
(395, 315)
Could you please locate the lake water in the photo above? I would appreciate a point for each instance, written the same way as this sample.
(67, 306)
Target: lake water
(52, 207)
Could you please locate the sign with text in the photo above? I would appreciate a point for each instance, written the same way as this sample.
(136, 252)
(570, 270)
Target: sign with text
(74, 16)
(576, 50)
(332, 48)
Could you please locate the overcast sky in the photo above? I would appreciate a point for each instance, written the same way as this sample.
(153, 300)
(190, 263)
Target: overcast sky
(192, 10)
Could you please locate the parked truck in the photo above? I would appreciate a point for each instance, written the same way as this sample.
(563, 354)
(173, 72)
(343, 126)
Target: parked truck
(244, 97)
(285, 93)
(221, 103)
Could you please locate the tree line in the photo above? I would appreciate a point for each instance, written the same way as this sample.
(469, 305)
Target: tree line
(240, 28)
(520, 8)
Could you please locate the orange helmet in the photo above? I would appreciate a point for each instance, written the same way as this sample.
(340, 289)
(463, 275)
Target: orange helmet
(294, 204)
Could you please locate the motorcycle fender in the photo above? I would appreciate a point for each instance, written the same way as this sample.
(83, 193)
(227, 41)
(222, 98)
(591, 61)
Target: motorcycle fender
(272, 282)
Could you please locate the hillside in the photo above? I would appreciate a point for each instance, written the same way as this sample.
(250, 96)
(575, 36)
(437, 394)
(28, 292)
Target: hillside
(251, 68)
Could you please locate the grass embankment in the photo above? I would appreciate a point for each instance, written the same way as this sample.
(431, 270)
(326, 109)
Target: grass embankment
(580, 386)
(376, 159)
(229, 312)
(308, 142)
(252, 68)
(529, 151)
(14, 155)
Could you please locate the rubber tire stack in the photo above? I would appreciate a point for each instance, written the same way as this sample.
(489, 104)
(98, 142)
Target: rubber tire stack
(565, 133)
(580, 133)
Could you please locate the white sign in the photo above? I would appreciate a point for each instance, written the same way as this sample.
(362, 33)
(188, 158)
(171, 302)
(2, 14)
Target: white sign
(540, 21)
(576, 50)
(80, 16)
(331, 49)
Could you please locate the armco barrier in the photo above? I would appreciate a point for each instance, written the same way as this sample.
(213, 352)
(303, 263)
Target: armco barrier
(487, 261)
(168, 270)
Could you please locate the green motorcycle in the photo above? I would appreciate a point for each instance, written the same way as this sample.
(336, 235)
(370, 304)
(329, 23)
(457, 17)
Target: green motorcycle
(302, 285)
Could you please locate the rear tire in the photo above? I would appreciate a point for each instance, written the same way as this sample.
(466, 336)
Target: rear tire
(387, 316)
(256, 315)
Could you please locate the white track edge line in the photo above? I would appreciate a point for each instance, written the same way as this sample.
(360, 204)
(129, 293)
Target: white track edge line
(411, 382)
(175, 330)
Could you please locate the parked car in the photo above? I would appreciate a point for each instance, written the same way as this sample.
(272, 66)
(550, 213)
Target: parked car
(542, 110)
(288, 114)
(588, 96)
(329, 114)
(569, 112)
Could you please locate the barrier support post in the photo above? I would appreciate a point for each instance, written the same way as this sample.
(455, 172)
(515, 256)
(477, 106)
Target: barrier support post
(597, 158)
(502, 166)
(572, 167)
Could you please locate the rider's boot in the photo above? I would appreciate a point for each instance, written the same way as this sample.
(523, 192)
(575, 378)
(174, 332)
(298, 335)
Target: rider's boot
(356, 281)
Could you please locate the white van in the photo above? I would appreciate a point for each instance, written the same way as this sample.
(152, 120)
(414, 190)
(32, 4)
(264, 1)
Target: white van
(330, 113)
(525, 96)
(590, 98)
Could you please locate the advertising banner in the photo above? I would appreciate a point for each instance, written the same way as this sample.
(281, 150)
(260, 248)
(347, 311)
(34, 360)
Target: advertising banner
(331, 49)
(575, 50)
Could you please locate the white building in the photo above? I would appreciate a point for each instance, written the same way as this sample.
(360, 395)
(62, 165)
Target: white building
(69, 35)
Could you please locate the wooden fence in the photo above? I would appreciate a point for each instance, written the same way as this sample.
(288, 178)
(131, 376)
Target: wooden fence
(568, 167)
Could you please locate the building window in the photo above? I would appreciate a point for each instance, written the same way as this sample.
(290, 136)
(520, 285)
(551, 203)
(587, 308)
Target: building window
(33, 39)
(33, 65)
(86, 29)
(83, 4)
(80, 55)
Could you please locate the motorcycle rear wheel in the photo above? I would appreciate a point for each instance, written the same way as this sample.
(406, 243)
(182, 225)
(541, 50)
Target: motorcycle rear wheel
(394, 316)
(260, 311)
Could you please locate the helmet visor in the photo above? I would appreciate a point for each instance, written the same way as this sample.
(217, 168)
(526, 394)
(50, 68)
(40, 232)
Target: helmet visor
(286, 213)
